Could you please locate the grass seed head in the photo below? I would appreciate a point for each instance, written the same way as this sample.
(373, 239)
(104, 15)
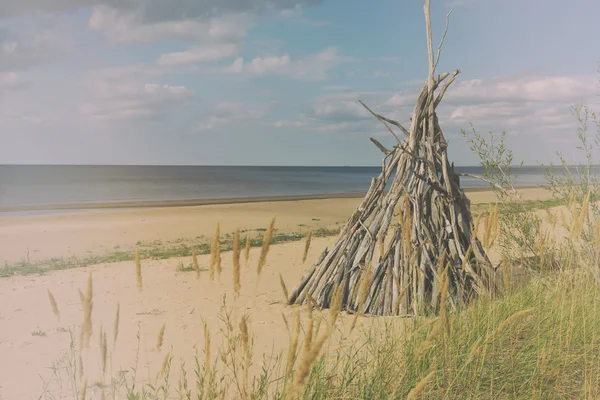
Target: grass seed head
(236, 263)
(265, 246)
(307, 246)
(53, 305)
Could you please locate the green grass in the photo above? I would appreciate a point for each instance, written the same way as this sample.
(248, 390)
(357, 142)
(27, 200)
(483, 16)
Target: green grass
(153, 250)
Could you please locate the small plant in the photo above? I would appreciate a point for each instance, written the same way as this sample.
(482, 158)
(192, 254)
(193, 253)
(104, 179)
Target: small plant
(38, 332)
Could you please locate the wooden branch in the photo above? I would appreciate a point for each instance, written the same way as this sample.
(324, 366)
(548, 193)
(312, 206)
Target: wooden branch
(439, 49)
(380, 147)
(483, 180)
(433, 185)
(430, 77)
(381, 120)
(395, 123)
(445, 87)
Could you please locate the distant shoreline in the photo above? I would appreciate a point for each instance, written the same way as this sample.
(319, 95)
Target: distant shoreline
(197, 202)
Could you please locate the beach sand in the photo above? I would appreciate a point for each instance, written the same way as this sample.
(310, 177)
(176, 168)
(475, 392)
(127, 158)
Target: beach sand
(31, 337)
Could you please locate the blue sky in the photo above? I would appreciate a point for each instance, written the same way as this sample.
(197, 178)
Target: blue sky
(277, 82)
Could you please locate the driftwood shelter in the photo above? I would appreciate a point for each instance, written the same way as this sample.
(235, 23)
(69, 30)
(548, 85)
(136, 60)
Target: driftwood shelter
(402, 245)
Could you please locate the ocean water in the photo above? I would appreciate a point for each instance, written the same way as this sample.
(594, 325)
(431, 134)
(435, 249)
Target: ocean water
(31, 186)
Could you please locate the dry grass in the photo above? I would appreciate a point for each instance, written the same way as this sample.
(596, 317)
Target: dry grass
(161, 337)
(307, 246)
(265, 247)
(54, 305)
(215, 254)
(538, 341)
(195, 263)
(116, 324)
(86, 325)
(236, 263)
(138, 270)
(247, 249)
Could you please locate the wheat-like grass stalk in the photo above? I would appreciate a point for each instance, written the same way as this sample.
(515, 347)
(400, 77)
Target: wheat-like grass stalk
(247, 249)
(80, 363)
(474, 351)
(400, 298)
(116, 324)
(428, 343)
(365, 283)
(336, 302)
(138, 270)
(165, 364)
(161, 337)
(310, 355)
(195, 262)
(311, 323)
(81, 298)
(285, 321)
(293, 347)
(246, 351)
(284, 288)
(86, 326)
(420, 386)
(54, 305)
(265, 246)
(84, 390)
(508, 321)
(206, 349)
(236, 263)
(215, 254)
(103, 350)
(307, 246)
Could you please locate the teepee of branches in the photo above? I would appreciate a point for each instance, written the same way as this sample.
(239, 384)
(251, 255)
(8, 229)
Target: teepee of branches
(401, 246)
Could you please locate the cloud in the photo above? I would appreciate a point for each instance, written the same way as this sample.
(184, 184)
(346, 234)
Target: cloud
(226, 113)
(130, 27)
(339, 112)
(18, 52)
(198, 54)
(521, 104)
(460, 3)
(380, 74)
(314, 67)
(11, 81)
(388, 59)
(545, 89)
(118, 101)
(296, 16)
(153, 10)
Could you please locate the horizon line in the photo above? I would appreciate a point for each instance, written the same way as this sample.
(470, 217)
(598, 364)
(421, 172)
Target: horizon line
(246, 165)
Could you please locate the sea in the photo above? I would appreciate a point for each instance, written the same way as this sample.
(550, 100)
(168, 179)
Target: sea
(40, 186)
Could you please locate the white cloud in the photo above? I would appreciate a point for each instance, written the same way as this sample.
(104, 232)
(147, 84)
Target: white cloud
(460, 3)
(113, 101)
(198, 54)
(18, 52)
(153, 10)
(339, 112)
(130, 27)
(226, 113)
(296, 15)
(11, 80)
(314, 67)
(524, 88)
(380, 74)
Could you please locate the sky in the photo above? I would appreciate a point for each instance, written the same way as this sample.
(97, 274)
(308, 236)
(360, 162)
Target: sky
(277, 82)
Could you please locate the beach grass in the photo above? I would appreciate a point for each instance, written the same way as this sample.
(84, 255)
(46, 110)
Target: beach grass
(157, 251)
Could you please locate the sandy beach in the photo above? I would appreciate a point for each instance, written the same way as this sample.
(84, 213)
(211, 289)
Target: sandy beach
(32, 339)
